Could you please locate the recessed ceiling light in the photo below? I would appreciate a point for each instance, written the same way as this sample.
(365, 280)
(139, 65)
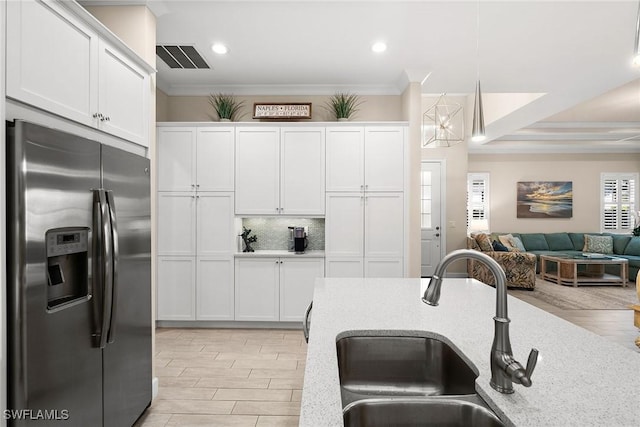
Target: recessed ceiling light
(219, 48)
(379, 47)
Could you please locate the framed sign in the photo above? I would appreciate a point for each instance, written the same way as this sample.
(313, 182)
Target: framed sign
(289, 110)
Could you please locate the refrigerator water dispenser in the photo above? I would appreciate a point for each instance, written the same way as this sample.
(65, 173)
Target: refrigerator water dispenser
(67, 265)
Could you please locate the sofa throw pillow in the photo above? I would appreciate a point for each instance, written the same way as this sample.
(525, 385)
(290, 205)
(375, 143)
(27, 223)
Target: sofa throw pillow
(484, 242)
(506, 240)
(598, 244)
(499, 247)
(517, 243)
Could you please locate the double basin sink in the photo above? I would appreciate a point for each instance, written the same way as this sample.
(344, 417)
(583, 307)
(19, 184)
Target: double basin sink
(407, 381)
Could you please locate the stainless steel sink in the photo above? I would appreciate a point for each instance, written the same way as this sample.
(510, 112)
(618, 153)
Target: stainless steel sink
(377, 366)
(418, 412)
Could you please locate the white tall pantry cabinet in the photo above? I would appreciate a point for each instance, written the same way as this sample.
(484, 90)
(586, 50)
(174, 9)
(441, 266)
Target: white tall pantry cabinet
(196, 233)
(365, 221)
(210, 176)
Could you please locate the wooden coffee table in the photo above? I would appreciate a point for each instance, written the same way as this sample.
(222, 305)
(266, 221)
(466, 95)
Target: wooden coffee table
(567, 270)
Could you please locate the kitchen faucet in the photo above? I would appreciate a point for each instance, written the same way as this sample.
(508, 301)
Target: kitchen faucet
(504, 368)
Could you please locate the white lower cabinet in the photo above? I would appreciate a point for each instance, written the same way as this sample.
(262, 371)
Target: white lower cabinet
(378, 267)
(275, 289)
(214, 289)
(344, 267)
(257, 296)
(364, 267)
(191, 288)
(297, 279)
(176, 297)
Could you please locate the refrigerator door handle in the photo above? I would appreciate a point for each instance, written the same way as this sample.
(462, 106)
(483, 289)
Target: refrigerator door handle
(115, 253)
(106, 275)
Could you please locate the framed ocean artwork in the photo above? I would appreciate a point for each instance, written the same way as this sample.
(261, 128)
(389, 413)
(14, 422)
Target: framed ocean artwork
(545, 199)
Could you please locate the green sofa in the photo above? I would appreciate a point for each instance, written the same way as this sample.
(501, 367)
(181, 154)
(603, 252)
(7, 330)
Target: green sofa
(624, 246)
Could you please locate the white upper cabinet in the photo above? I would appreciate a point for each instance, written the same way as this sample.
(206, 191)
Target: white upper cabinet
(123, 100)
(58, 74)
(302, 164)
(214, 159)
(384, 159)
(176, 154)
(257, 171)
(365, 158)
(345, 159)
(76, 74)
(280, 171)
(192, 158)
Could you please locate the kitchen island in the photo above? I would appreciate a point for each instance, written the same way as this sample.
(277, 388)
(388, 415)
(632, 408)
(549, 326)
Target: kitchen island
(581, 379)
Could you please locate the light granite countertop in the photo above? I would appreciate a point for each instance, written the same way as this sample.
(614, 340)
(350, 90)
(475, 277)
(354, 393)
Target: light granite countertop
(268, 253)
(581, 379)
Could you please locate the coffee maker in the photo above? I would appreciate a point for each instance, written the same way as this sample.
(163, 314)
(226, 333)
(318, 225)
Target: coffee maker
(300, 240)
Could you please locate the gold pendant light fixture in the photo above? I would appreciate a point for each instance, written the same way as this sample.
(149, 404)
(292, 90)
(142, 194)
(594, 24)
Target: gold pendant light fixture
(477, 130)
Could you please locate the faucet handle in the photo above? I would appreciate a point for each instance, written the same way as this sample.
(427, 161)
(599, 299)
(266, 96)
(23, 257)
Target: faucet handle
(531, 363)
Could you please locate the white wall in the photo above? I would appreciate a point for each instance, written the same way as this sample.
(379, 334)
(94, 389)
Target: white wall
(582, 169)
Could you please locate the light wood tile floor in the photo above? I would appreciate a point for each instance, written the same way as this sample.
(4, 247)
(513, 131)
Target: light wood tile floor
(248, 377)
(227, 377)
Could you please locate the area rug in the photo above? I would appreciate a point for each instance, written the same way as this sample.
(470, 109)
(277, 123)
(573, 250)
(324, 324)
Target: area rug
(587, 297)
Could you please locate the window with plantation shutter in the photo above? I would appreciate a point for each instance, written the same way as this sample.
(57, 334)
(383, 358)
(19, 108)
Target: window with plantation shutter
(478, 202)
(619, 202)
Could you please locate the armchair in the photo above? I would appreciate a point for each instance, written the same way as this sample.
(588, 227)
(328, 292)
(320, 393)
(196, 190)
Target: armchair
(519, 267)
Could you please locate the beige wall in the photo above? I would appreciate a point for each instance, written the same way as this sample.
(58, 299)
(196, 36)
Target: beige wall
(162, 106)
(411, 112)
(582, 169)
(455, 161)
(198, 109)
(135, 25)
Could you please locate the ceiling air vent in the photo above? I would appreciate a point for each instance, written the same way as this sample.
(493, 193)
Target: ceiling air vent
(181, 56)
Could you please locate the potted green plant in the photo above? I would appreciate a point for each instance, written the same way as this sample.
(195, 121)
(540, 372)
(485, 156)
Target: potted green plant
(343, 105)
(226, 106)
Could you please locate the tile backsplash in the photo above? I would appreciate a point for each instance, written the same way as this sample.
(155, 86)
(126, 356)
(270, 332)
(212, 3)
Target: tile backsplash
(273, 233)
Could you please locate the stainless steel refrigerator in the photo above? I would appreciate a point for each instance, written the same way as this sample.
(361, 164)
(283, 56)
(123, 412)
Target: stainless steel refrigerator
(79, 280)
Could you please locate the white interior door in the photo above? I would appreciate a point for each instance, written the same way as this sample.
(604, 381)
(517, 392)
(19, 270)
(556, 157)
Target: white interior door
(432, 242)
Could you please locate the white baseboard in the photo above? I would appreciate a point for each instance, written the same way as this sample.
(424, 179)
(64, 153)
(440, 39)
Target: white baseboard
(154, 388)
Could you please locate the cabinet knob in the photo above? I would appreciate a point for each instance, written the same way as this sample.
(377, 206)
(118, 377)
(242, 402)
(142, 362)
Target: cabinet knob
(197, 185)
(107, 118)
(97, 115)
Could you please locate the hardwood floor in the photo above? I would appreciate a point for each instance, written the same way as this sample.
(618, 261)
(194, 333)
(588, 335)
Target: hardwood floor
(614, 325)
(253, 377)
